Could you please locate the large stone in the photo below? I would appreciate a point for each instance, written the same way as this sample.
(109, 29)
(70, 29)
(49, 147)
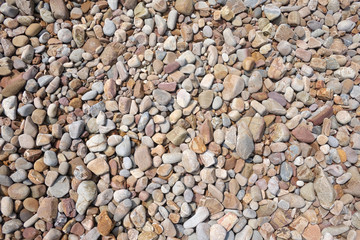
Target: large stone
(244, 142)
(233, 86)
(200, 215)
(48, 208)
(185, 7)
(59, 9)
(111, 52)
(189, 161)
(277, 69)
(303, 134)
(87, 192)
(142, 157)
(177, 135)
(324, 189)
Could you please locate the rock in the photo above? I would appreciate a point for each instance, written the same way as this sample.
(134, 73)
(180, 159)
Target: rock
(303, 134)
(9, 10)
(346, 25)
(200, 215)
(159, 5)
(308, 192)
(60, 187)
(272, 11)
(10, 107)
(344, 73)
(177, 135)
(87, 193)
(13, 87)
(255, 82)
(185, 7)
(335, 230)
(18, 191)
(217, 232)
(53, 234)
(246, 233)
(286, 172)
(65, 35)
(162, 97)
(272, 106)
(48, 209)
(105, 224)
(277, 69)
(7, 206)
(343, 117)
(189, 161)
(143, 158)
(50, 158)
(169, 228)
(59, 9)
(124, 148)
(183, 98)
(312, 232)
(76, 129)
(351, 186)
(323, 188)
(111, 52)
(11, 226)
(244, 142)
(294, 200)
(206, 99)
(233, 86)
(97, 143)
(98, 166)
(138, 216)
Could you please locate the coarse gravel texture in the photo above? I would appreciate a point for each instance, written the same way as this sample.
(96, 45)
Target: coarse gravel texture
(183, 119)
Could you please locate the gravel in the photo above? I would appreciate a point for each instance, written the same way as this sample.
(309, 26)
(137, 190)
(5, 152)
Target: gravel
(179, 119)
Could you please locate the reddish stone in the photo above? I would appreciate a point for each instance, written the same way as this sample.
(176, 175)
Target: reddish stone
(68, 206)
(206, 131)
(312, 232)
(77, 229)
(277, 97)
(138, 90)
(124, 105)
(30, 73)
(167, 86)
(48, 208)
(171, 67)
(105, 224)
(30, 233)
(303, 134)
(318, 119)
(110, 89)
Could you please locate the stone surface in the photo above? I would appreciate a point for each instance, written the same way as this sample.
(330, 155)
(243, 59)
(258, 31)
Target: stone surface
(179, 119)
